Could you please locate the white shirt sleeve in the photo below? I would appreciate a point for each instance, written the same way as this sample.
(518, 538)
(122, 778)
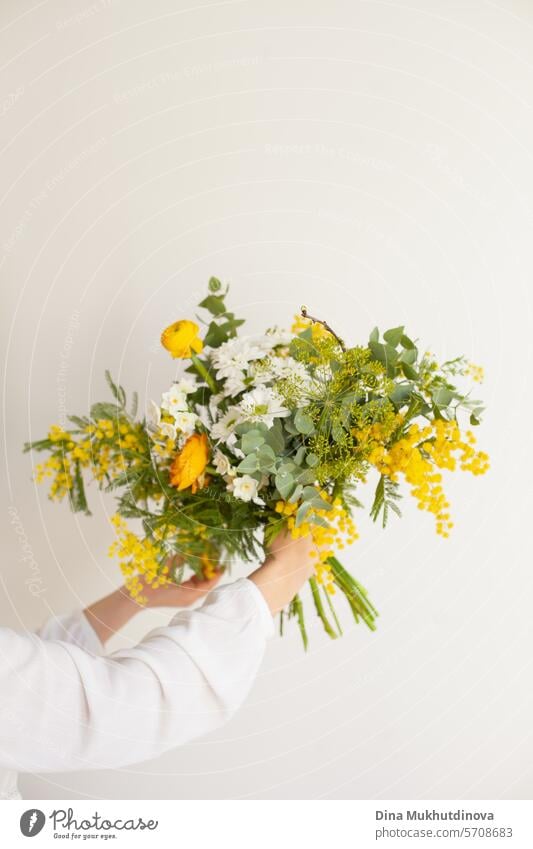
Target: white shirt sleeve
(72, 628)
(65, 708)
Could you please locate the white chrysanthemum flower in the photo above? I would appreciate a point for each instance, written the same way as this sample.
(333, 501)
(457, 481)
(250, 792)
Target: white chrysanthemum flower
(226, 425)
(168, 430)
(186, 385)
(153, 415)
(262, 405)
(234, 385)
(185, 422)
(245, 488)
(233, 356)
(274, 337)
(174, 400)
(274, 368)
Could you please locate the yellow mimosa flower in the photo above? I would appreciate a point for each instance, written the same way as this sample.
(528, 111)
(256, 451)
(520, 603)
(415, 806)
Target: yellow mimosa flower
(181, 339)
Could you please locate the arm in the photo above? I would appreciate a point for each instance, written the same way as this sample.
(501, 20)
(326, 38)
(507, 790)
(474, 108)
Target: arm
(73, 710)
(66, 709)
(92, 628)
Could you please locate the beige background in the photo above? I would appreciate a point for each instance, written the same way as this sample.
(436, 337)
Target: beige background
(372, 160)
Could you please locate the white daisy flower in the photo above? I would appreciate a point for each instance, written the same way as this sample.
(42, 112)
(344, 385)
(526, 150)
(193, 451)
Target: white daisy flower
(244, 487)
(274, 337)
(185, 422)
(234, 385)
(174, 400)
(186, 385)
(262, 405)
(168, 430)
(226, 425)
(232, 357)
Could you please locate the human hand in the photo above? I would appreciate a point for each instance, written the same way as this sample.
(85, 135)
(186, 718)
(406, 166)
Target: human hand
(289, 564)
(170, 594)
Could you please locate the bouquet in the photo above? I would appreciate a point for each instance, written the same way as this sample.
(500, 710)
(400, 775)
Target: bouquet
(259, 434)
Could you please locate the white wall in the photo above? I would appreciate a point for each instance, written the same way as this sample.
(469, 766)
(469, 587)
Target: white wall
(373, 161)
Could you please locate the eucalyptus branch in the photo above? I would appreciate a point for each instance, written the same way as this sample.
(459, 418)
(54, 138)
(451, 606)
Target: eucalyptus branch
(324, 324)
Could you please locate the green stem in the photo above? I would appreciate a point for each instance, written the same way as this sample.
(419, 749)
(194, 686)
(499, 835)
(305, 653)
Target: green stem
(202, 371)
(355, 593)
(299, 611)
(320, 608)
(332, 608)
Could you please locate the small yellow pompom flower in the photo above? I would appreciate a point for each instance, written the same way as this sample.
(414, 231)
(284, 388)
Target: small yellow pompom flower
(181, 339)
(190, 463)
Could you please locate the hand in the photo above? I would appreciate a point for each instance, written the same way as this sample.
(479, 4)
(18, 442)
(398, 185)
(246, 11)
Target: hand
(288, 566)
(170, 594)
(113, 612)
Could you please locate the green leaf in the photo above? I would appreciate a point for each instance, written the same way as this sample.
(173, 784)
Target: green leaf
(393, 336)
(296, 494)
(214, 304)
(300, 454)
(312, 460)
(409, 356)
(249, 464)
(401, 393)
(251, 441)
(312, 497)
(406, 342)
(374, 335)
(474, 419)
(384, 354)
(442, 396)
(274, 437)
(301, 513)
(105, 411)
(284, 484)
(409, 371)
(266, 458)
(303, 423)
(214, 284)
(215, 336)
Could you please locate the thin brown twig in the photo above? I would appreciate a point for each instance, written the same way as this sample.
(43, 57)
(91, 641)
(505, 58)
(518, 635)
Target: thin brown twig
(324, 324)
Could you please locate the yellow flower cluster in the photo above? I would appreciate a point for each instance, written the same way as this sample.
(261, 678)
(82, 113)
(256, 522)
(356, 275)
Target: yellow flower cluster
(416, 455)
(318, 330)
(340, 530)
(99, 448)
(139, 558)
(477, 373)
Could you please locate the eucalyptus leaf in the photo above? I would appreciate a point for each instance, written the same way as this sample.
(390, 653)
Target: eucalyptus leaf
(442, 396)
(301, 514)
(284, 484)
(296, 494)
(251, 441)
(303, 423)
(393, 336)
(249, 464)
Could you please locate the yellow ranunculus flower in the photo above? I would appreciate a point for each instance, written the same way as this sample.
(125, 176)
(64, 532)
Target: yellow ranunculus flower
(190, 463)
(181, 339)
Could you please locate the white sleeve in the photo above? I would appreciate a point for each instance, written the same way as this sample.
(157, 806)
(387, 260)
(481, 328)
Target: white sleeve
(72, 628)
(65, 709)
